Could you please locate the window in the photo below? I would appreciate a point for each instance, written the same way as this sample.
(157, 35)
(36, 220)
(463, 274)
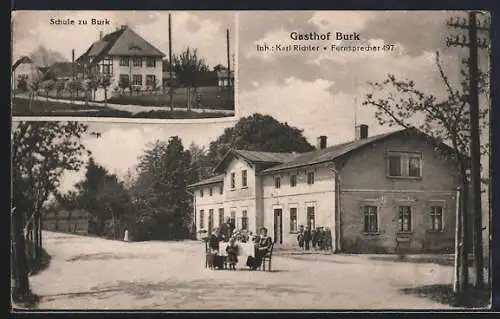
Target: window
(210, 193)
(210, 220)
(311, 220)
(151, 62)
(233, 216)
(137, 79)
(395, 165)
(404, 164)
(244, 220)
(293, 219)
(310, 178)
(201, 192)
(404, 219)
(233, 180)
(293, 180)
(414, 167)
(244, 178)
(124, 61)
(436, 218)
(221, 216)
(150, 80)
(202, 219)
(277, 182)
(137, 62)
(221, 189)
(370, 224)
(107, 66)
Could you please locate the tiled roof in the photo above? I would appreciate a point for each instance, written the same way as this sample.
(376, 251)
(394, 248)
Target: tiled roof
(329, 153)
(265, 157)
(124, 42)
(210, 180)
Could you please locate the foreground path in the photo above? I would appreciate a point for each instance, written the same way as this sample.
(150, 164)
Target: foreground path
(93, 273)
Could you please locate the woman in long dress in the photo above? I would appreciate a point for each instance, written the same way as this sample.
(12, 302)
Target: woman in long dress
(261, 248)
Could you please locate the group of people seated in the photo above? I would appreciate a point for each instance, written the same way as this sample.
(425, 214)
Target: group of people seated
(227, 233)
(319, 238)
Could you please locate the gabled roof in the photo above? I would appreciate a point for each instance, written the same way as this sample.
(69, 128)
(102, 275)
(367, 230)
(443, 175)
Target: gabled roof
(123, 42)
(255, 157)
(21, 60)
(211, 180)
(336, 151)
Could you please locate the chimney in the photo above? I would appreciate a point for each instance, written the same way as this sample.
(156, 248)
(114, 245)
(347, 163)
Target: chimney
(361, 132)
(321, 142)
(100, 35)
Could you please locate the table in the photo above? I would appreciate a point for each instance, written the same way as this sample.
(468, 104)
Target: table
(244, 250)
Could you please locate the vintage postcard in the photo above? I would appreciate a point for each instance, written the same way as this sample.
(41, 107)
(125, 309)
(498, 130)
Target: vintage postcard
(354, 176)
(123, 64)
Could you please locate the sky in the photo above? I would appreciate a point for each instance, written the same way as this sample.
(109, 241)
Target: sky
(203, 30)
(319, 92)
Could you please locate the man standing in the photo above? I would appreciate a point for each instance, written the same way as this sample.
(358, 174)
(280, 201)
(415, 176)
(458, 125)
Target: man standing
(307, 237)
(226, 229)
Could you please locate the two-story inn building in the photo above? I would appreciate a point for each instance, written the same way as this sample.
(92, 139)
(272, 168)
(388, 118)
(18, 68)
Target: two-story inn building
(374, 193)
(123, 54)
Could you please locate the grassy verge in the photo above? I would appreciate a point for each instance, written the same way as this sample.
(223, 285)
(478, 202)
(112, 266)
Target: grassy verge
(20, 107)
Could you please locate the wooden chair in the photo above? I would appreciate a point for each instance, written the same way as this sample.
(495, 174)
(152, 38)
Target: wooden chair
(267, 257)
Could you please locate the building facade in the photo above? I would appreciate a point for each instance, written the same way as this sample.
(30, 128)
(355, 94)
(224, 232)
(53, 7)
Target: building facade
(375, 193)
(125, 57)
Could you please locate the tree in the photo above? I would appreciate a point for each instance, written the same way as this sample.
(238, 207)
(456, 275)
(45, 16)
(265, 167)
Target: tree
(189, 69)
(124, 83)
(41, 152)
(59, 86)
(160, 189)
(400, 103)
(258, 133)
(105, 82)
(47, 86)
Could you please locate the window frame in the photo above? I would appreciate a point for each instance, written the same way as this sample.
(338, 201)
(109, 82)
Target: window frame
(401, 228)
(293, 180)
(123, 59)
(293, 225)
(201, 193)
(210, 191)
(221, 216)
(310, 178)
(202, 219)
(244, 219)
(233, 181)
(405, 159)
(277, 182)
(244, 178)
(308, 219)
(137, 62)
(136, 76)
(368, 210)
(152, 79)
(432, 215)
(151, 65)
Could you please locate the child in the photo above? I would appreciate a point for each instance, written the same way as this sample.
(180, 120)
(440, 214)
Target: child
(232, 253)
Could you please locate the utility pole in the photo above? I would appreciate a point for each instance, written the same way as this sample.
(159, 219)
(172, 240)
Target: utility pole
(228, 69)
(473, 44)
(72, 73)
(170, 62)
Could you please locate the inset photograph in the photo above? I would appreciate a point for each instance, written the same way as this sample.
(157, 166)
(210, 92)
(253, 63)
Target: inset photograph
(123, 64)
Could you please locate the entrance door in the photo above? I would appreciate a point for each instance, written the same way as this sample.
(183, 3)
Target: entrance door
(278, 226)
